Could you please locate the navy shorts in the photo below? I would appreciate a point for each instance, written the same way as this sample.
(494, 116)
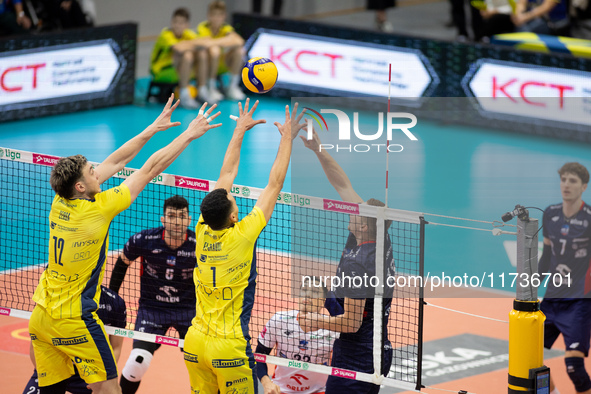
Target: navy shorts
(158, 321)
(75, 384)
(572, 319)
(356, 357)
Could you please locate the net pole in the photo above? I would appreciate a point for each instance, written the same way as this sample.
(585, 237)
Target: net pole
(387, 139)
(378, 292)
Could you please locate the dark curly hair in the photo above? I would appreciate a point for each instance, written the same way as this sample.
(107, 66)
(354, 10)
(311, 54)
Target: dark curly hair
(216, 209)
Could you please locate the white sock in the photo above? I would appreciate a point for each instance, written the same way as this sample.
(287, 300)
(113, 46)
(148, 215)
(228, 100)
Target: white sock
(185, 92)
(212, 84)
(555, 391)
(234, 80)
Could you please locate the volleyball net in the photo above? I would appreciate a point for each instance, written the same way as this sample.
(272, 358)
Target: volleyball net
(304, 241)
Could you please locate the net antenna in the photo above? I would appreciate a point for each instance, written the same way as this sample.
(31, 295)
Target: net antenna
(387, 140)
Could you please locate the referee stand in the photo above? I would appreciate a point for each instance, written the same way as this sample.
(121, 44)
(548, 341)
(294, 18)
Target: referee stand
(527, 373)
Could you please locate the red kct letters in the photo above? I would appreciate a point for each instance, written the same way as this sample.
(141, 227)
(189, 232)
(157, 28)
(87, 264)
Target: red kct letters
(16, 88)
(303, 59)
(499, 89)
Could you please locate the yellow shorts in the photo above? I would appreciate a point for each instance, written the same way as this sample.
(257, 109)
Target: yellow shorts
(220, 364)
(60, 344)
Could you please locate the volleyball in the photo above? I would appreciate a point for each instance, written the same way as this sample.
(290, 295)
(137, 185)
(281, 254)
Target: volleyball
(259, 75)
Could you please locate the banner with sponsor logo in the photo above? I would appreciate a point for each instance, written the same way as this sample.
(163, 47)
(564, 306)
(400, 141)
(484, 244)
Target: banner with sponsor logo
(58, 72)
(324, 65)
(526, 92)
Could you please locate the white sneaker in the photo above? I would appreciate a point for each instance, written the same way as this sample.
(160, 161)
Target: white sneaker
(215, 95)
(189, 102)
(233, 92)
(211, 96)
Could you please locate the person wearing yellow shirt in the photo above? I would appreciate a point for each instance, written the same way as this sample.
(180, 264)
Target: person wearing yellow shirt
(64, 327)
(174, 58)
(217, 348)
(223, 54)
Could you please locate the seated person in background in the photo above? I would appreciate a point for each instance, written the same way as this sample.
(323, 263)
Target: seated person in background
(224, 54)
(12, 18)
(67, 14)
(173, 57)
(283, 331)
(113, 312)
(542, 17)
(497, 18)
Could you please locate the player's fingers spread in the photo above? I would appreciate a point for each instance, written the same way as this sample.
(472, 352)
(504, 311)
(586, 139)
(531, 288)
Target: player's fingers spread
(212, 117)
(301, 115)
(210, 110)
(174, 124)
(260, 121)
(294, 112)
(176, 104)
(202, 109)
(213, 126)
(240, 108)
(256, 104)
(278, 125)
(246, 104)
(287, 113)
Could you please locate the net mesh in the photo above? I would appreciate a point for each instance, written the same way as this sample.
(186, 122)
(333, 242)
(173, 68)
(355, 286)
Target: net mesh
(298, 241)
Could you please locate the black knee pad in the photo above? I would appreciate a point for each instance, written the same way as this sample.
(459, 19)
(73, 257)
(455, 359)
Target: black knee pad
(57, 388)
(575, 367)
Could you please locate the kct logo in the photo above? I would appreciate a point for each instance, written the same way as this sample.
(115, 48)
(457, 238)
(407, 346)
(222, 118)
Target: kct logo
(17, 74)
(344, 130)
(302, 60)
(191, 183)
(527, 91)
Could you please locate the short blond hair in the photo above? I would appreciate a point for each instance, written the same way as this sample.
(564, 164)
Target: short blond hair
(217, 5)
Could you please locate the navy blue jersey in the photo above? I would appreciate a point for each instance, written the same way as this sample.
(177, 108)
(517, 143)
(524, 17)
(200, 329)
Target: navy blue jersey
(571, 248)
(357, 261)
(112, 310)
(166, 275)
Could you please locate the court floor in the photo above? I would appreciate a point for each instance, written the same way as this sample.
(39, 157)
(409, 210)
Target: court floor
(451, 170)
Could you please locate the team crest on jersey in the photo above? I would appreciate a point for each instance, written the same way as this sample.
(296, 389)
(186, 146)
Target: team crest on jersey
(264, 332)
(203, 258)
(52, 225)
(303, 345)
(580, 253)
(288, 332)
(171, 260)
(564, 229)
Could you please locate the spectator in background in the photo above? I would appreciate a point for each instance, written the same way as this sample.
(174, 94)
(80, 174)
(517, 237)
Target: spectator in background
(13, 19)
(496, 19)
(67, 13)
(542, 17)
(458, 14)
(173, 57)
(257, 6)
(381, 6)
(224, 54)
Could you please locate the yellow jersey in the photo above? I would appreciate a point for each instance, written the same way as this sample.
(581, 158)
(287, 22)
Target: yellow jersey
(225, 276)
(204, 30)
(162, 53)
(78, 245)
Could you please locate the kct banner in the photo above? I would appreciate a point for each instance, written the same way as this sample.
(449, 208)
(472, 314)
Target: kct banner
(314, 63)
(57, 71)
(525, 90)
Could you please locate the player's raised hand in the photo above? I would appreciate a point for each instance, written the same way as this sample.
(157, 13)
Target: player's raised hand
(163, 121)
(314, 143)
(201, 124)
(269, 387)
(309, 321)
(245, 121)
(291, 126)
